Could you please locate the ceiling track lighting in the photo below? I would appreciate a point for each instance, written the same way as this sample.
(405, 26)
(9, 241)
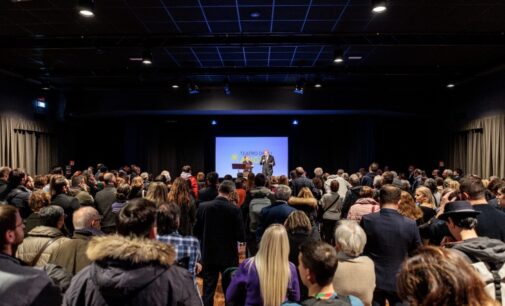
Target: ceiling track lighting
(86, 8)
(379, 6)
(147, 57)
(338, 56)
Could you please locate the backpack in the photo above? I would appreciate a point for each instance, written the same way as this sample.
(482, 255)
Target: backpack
(493, 276)
(255, 207)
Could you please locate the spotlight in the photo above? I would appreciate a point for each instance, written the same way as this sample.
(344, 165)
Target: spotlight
(86, 8)
(193, 89)
(295, 122)
(338, 56)
(299, 87)
(450, 85)
(147, 57)
(175, 86)
(213, 122)
(318, 83)
(378, 6)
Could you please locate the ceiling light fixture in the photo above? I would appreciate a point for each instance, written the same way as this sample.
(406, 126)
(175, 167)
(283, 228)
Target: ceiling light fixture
(46, 86)
(338, 56)
(175, 86)
(450, 85)
(255, 14)
(379, 6)
(147, 57)
(86, 8)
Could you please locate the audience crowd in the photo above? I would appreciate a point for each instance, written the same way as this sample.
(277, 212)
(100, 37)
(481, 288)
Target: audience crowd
(127, 237)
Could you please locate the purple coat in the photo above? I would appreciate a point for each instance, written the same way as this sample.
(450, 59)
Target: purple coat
(247, 280)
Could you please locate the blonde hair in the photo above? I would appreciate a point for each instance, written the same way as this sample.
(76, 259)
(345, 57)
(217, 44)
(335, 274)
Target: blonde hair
(407, 207)
(305, 193)
(157, 192)
(297, 220)
(272, 264)
(429, 198)
(452, 184)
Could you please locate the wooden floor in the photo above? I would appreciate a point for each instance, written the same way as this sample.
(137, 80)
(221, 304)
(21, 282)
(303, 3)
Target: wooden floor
(219, 296)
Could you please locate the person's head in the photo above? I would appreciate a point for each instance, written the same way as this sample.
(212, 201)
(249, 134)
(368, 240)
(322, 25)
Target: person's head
(318, 172)
(122, 192)
(39, 199)
(305, 193)
(458, 172)
(389, 195)
(366, 192)
(354, 180)
(157, 192)
(16, 177)
(239, 183)
(168, 218)
(350, 238)
(77, 181)
(86, 217)
(377, 181)
(423, 195)
(166, 175)
(447, 173)
(179, 192)
(282, 193)
(472, 188)
(58, 184)
(226, 188)
(137, 182)
(435, 173)
(39, 181)
(334, 186)
(387, 178)
(500, 196)
(4, 173)
(228, 177)
(260, 180)
(459, 215)
(299, 172)
(109, 178)
(272, 263)
(297, 221)
(440, 276)
(431, 184)
(213, 178)
(373, 167)
(137, 218)
(200, 176)
(57, 170)
(265, 152)
(292, 174)
(52, 216)
(318, 183)
(186, 168)
(317, 263)
(283, 180)
(11, 229)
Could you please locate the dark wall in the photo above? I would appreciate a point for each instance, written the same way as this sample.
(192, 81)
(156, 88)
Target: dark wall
(485, 97)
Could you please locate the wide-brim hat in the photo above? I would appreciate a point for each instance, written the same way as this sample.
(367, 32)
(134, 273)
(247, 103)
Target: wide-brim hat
(458, 208)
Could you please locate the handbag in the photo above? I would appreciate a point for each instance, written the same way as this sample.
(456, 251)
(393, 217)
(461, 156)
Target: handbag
(321, 210)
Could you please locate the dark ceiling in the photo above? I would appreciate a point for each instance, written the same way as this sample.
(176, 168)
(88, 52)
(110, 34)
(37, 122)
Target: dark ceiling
(415, 43)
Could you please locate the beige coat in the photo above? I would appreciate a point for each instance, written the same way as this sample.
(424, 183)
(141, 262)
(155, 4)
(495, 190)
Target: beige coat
(36, 239)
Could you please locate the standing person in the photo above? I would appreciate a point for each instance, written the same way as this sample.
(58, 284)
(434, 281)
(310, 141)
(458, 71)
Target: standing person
(181, 195)
(209, 193)
(131, 268)
(59, 189)
(104, 200)
(219, 227)
(268, 278)
(17, 193)
(331, 207)
(186, 175)
(21, 285)
(390, 238)
(268, 162)
(248, 165)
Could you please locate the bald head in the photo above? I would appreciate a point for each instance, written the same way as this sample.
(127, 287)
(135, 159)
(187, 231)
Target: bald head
(299, 171)
(109, 178)
(85, 217)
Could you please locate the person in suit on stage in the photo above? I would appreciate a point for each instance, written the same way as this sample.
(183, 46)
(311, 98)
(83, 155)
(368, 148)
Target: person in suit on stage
(268, 163)
(391, 238)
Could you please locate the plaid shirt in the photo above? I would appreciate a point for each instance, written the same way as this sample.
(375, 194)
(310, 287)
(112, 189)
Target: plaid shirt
(185, 247)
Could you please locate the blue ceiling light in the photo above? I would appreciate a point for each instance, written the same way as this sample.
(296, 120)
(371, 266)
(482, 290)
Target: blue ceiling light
(295, 122)
(213, 122)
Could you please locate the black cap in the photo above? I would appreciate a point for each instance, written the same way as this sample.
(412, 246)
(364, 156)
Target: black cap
(458, 208)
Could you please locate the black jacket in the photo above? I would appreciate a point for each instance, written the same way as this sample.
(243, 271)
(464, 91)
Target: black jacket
(131, 272)
(103, 201)
(25, 285)
(207, 194)
(19, 197)
(351, 197)
(300, 182)
(219, 226)
(69, 205)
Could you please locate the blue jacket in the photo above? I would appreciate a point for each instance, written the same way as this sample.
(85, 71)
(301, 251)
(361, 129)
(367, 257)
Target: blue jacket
(275, 213)
(391, 237)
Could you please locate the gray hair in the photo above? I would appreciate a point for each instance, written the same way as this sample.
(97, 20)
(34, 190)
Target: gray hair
(50, 215)
(282, 193)
(354, 180)
(350, 237)
(227, 187)
(318, 171)
(83, 217)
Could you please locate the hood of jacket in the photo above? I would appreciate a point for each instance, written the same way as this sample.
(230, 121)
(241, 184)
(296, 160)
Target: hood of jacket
(124, 266)
(260, 192)
(366, 201)
(482, 248)
(45, 231)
